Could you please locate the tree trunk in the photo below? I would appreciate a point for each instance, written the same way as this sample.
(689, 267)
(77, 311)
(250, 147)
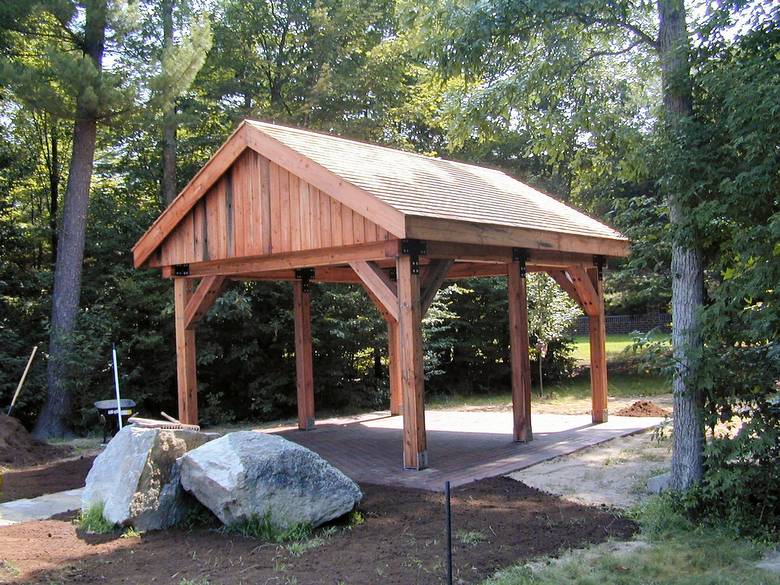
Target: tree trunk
(169, 189)
(687, 275)
(52, 422)
(54, 187)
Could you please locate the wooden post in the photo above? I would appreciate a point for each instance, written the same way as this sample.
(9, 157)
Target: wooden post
(412, 381)
(518, 340)
(598, 351)
(303, 357)
(394, 355)
(186, 372)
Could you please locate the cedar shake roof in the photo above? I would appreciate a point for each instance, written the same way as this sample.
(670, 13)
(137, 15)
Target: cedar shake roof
(432, 187)
(407, 195)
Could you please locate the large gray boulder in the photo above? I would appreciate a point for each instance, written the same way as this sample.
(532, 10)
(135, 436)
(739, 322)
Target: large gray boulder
(136, 477)
(247, 474)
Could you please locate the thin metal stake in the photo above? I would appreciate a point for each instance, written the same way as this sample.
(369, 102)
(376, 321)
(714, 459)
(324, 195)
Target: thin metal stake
(116, 387)
(448, 516)
(541, 386)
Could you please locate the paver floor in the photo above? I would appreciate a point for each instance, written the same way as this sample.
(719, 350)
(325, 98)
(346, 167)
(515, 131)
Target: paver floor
(462, 446)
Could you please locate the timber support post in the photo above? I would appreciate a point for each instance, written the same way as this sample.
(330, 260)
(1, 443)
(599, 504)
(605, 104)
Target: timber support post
(411, 362)
(598, 351)
(186, 371)
(304, 377)
(394, 367)
(518, 343)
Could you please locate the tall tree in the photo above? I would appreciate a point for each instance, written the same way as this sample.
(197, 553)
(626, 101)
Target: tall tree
(62, 72)
(687, 270)
(169, 189)
(541, 66)
(67, 272)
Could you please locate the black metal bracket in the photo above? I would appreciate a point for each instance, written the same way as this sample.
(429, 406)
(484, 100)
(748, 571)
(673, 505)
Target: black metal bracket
(181, 269)
(305, 275)
(600, 262)
(520, 255)
(414, 249)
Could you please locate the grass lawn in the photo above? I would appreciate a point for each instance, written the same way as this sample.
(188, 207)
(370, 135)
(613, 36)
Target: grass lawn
(616, 343)
(620, 386)
(669, 552)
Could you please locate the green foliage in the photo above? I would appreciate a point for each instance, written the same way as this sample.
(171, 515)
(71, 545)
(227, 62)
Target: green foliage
(92, 521)
(262, 528)
(671, 550)
(729, 143)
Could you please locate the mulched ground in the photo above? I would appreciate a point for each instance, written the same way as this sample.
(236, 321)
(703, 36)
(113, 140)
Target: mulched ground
(642, 408)
(496, 522)
(56, 476)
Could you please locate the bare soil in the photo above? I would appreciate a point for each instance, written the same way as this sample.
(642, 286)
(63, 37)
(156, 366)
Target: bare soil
(18, 448)
(642, 408)
(47, 478)
(496, 523)
(614, 473)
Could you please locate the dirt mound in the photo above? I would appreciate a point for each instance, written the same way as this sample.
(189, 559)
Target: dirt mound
(642, 408)
(18, 448)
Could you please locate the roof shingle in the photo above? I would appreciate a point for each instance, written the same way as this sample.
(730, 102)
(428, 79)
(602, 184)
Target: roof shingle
(423, 186)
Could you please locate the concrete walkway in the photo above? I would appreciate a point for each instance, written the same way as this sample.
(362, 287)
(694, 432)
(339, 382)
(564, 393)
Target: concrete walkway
(40, 508)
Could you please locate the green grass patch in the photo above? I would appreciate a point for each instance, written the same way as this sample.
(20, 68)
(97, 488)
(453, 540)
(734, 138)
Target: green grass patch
(262, 528)
(675, 553)
(299, 547)
(621, 385)
(616, 345)
(92, 520)
(470, 537)
(130, 532)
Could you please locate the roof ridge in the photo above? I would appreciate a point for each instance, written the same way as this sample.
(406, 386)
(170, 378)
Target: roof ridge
(374, 145)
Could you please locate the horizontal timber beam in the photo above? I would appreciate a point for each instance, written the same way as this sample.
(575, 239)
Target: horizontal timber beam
(293, 260)
(327, 274)
(464, 232)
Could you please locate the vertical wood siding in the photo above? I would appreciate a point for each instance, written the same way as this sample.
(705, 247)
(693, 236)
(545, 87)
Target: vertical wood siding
(258, 208)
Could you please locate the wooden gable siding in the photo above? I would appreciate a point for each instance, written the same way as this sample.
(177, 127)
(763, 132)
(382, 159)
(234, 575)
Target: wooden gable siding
(256, 208)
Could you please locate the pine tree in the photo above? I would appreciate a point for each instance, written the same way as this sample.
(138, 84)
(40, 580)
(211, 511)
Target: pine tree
(62, 71)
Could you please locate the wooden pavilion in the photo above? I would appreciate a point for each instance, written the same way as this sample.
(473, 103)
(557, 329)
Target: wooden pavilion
(280, 203)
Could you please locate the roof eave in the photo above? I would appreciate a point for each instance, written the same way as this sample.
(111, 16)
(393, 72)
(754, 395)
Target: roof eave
(450, 230)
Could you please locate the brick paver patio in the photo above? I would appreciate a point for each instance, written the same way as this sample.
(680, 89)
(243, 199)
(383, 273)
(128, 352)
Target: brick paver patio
(462, 446)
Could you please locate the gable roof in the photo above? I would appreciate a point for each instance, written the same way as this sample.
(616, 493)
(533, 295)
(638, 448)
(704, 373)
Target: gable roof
(388, 186)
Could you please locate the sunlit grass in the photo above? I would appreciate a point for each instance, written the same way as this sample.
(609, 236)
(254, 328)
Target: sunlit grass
(620, 386)
(616, 344)
(673, 552)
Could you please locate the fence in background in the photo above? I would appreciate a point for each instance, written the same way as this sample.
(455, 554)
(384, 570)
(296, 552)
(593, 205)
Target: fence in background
(628, 323)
